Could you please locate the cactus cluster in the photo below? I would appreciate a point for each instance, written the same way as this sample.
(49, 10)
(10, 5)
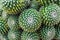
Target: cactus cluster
(29, 19)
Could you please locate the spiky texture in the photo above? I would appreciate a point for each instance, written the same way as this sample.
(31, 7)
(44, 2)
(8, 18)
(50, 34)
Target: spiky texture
(13, 6)
(14, 35)
(3, 26)
(30, 20)
(47, 2)
(29, 36)
(57, 29)
(13, 22)
(50, 14)
(43, 2)
(47, 32)
(3, 37)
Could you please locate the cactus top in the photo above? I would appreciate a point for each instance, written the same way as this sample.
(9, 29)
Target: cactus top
(30, 20)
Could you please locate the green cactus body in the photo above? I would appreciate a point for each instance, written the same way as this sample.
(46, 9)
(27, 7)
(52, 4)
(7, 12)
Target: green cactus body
(3, 37)
(47, 32)
(3, 26)
(13, 22)
(13, 6)
(44, 2)
(14, 35)
(50, 14)
(57, 29)
(30, 20)
(47, 2)
(29, 36)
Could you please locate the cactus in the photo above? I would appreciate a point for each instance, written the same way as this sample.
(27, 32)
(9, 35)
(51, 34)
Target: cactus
(14, 35)
(13, 22)
(47, 32)
(50, 14)
(30, 20)
(29, 36)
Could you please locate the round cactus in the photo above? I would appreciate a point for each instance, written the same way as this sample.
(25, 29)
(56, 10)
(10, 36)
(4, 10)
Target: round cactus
(50, 14)
(13, 22)
(29, 36)
(43, 2)
(3, 26)
(47, 32)
(14, 35)
(30, 20)
(13, 6)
